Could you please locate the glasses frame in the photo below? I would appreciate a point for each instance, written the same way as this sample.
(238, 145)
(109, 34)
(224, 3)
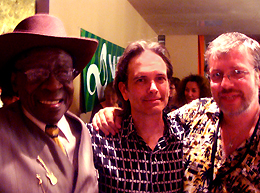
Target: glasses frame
(231, 75)
(27, 73)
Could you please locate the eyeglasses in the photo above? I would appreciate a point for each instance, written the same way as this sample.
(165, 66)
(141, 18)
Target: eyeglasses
(217, 77)
(38, 75)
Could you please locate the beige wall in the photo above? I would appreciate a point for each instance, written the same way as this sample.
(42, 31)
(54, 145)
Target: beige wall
(113, 20)
(184, 54)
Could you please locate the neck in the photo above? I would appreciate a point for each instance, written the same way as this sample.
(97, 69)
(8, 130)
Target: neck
(149, 127)
(237, 128)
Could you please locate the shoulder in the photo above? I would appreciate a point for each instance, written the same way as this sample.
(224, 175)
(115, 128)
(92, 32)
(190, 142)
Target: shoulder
(99, 135)
(71, 115)
(187, 114)
(11, 114)
(75, 120)
(198, 106)
(91, 129)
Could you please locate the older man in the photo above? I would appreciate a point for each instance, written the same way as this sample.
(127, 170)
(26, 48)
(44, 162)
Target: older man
(145, 156)
(43, 147)
(221, 150)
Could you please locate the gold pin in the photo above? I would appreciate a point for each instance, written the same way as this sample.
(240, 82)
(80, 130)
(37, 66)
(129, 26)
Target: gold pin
(40, 182)
(39, 178)
(49, 174)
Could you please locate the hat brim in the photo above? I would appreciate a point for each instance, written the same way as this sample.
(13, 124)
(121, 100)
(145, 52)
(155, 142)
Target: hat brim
(81, 49)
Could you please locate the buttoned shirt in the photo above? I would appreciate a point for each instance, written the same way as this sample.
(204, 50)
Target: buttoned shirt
(240, 172)
(127, 164)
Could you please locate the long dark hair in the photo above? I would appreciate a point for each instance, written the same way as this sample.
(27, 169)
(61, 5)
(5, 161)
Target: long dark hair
(203, 84)
(132, 50)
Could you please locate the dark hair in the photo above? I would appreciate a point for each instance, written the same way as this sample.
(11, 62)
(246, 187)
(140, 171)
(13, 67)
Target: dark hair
(132, 50)
(203, 84)
(109, 89)
(175, 81)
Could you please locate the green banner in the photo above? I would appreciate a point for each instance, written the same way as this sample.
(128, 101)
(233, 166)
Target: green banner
(99, 72)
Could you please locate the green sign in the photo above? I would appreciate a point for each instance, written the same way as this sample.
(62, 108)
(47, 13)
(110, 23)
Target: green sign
(100, 71)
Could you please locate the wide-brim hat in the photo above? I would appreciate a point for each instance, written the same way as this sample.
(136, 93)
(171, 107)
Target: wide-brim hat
(45, 30)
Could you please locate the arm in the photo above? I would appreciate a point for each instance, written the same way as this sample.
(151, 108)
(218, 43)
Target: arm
(108, 120)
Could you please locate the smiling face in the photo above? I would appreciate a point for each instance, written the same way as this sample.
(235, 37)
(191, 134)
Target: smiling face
(49, 99)
(234, 96)
(147, 85)
(192, 91)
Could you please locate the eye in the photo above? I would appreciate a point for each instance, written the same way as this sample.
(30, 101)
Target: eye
(140, 80)
(65, 74)
(36, 74)
(161, 78)
(216, 76)
(194, 90)
(238, 72)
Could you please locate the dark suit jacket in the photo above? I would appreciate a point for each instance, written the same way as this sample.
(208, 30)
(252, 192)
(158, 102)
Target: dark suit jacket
(21, 141)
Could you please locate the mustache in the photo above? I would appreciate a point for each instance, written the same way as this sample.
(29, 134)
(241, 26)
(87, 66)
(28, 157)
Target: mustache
(227, 91)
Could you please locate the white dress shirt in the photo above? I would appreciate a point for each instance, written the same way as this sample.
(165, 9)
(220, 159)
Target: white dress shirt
(66, 137)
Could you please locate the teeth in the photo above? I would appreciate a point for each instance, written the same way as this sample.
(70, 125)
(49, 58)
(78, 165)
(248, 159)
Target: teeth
(50, 102)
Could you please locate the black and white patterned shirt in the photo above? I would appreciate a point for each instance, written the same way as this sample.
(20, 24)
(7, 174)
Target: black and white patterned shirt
(127, 164)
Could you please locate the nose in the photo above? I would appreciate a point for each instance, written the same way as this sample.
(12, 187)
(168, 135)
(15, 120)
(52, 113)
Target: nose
(153, 87)
(190, 93)
(52, 83)
(226, 82)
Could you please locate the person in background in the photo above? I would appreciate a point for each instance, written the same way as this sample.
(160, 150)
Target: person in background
(192, 87)
(110, 100)
(1, 102)
(43, 146)
(171, 106)
(8, 96)
(222, 134)
(145, 156)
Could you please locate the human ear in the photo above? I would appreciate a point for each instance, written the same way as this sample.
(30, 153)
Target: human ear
(123, 90)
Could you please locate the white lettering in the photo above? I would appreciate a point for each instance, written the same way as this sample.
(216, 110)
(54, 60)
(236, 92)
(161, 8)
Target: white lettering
(102, 70)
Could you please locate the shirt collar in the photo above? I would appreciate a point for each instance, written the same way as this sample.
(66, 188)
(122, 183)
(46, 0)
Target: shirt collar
(129, 128)
(211, 109)
(62, 124)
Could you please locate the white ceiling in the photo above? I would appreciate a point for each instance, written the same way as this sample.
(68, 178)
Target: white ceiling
(200, 17)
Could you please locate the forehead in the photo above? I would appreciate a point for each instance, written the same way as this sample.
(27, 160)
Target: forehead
(233, 58)
(147, 61)
(44, 57)
(192, 84)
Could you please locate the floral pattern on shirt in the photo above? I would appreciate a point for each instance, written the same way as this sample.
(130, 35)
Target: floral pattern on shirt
(200, 120)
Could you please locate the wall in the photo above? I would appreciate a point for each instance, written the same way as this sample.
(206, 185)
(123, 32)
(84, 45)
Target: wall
(183, 50)
(113, 20)
(12, 12)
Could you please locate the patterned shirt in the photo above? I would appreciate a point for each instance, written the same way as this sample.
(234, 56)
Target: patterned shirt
(240, 172)
(127, 164)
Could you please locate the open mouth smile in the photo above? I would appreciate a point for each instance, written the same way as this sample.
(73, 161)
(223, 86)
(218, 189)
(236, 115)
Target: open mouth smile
(53, 102)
